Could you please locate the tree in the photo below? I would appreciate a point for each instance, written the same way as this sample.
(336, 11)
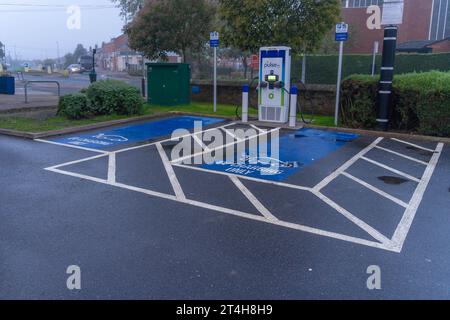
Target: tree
(73, 58)
(69, 59)
(249, 24)
(79, 52)
(180, 26)
(129, 8)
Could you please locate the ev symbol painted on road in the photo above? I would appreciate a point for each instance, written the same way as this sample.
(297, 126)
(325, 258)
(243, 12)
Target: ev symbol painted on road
(374, 281)
(74, 280)
(112, 138)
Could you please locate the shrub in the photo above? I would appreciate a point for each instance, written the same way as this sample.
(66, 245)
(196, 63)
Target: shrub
(112, 96)
(421, 102)
(74, 106)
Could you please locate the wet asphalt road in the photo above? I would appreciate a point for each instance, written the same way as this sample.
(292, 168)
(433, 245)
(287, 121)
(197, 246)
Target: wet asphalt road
(131, 245)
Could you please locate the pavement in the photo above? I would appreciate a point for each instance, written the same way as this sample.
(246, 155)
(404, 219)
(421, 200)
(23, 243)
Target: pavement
(45, 94)
(142, 223)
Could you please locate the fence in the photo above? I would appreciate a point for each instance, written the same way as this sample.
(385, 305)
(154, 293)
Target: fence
(322, 69)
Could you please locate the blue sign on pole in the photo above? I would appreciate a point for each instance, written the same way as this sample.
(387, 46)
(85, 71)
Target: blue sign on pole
(341, 32)
(214, 41)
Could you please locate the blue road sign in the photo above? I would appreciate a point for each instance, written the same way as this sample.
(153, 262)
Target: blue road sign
(341, 37)
(214, 43)
(341, 32)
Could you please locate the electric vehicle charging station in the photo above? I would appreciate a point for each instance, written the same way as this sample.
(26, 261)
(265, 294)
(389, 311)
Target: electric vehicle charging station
(277, 100)
(274, 84)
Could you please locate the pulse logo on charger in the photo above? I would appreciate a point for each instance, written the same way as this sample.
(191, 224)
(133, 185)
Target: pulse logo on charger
(271, 65)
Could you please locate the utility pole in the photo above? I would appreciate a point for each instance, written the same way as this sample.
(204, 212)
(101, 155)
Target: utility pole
(387, 76)
(341, 36)
(58, 60)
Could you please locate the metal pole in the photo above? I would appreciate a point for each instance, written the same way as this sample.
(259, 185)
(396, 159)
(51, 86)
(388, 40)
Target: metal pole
(387, 75)
(215, 79)
(143, 76)
(304, 68)
(245, 90)
(293, 107)
(374, 60)
(338, 86)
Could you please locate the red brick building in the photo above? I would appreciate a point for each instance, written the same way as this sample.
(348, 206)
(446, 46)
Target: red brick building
(423, 20)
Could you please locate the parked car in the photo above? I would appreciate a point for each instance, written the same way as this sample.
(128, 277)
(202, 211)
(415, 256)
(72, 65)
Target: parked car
(74, 68)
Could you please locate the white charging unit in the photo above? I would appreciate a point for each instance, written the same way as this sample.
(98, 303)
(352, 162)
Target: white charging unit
(274, 84)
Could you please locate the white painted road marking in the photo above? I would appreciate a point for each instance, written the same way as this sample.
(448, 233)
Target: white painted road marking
(112, 168)
(375, 189)
(70, 146)
(171, 174)
(345, 166)
(256, 203)
(402, 155)
(402, 231)
(400, 173)
(395, 244)
(413, 145)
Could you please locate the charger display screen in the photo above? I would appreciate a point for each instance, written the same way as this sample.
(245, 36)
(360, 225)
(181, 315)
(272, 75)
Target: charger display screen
(272, 78)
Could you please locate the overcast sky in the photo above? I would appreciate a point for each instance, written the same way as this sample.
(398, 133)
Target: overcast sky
(34, 31)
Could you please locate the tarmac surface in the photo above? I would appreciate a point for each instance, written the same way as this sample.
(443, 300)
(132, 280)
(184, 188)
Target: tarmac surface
(142, 224)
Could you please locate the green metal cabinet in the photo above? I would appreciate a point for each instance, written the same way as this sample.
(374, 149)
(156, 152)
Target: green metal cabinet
(169, 84)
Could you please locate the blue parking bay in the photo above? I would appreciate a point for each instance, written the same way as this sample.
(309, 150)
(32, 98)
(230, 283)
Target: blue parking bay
(297, 151)
(135, 133)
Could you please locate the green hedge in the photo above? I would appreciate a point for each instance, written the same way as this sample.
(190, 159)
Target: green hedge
(74, 106)
(102, 98)
(322, 69)
(421, 102)
(113, 96)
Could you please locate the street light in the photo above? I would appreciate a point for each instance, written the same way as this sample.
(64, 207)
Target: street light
(93, 74)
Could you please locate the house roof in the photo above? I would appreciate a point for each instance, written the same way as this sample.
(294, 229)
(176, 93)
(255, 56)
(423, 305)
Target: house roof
(418, 44)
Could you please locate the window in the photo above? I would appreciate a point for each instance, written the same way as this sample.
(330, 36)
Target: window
(360, 3)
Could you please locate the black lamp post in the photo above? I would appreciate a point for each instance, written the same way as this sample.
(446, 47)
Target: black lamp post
(93, 74)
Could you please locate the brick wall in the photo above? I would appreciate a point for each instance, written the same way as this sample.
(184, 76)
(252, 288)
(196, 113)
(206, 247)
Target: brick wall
(320, 98)
(441, 47)
(416, 25)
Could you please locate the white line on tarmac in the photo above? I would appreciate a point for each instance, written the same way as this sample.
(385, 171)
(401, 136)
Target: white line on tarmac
(367, 228)
(181, 159)
(112, 168)
(172, 139)
(230, 134)
(251, 197)
(70, 146)
(413, 145)
(400, 173)
(281, 184)
(77, 161)
(171, 174)
(241, 214)
(404, 226)
(256, 128)
(77, 175)
(200, 142)
(402, 155)
(346, 165)
(375, 189)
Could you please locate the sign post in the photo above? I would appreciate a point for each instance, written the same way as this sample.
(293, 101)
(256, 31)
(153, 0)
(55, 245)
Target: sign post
(376, 47)
(214, 43)
(341, 37)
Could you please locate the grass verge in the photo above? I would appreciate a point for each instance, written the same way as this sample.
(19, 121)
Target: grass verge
(27, 124)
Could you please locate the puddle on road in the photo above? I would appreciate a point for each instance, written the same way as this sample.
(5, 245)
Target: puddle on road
(392, 180)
